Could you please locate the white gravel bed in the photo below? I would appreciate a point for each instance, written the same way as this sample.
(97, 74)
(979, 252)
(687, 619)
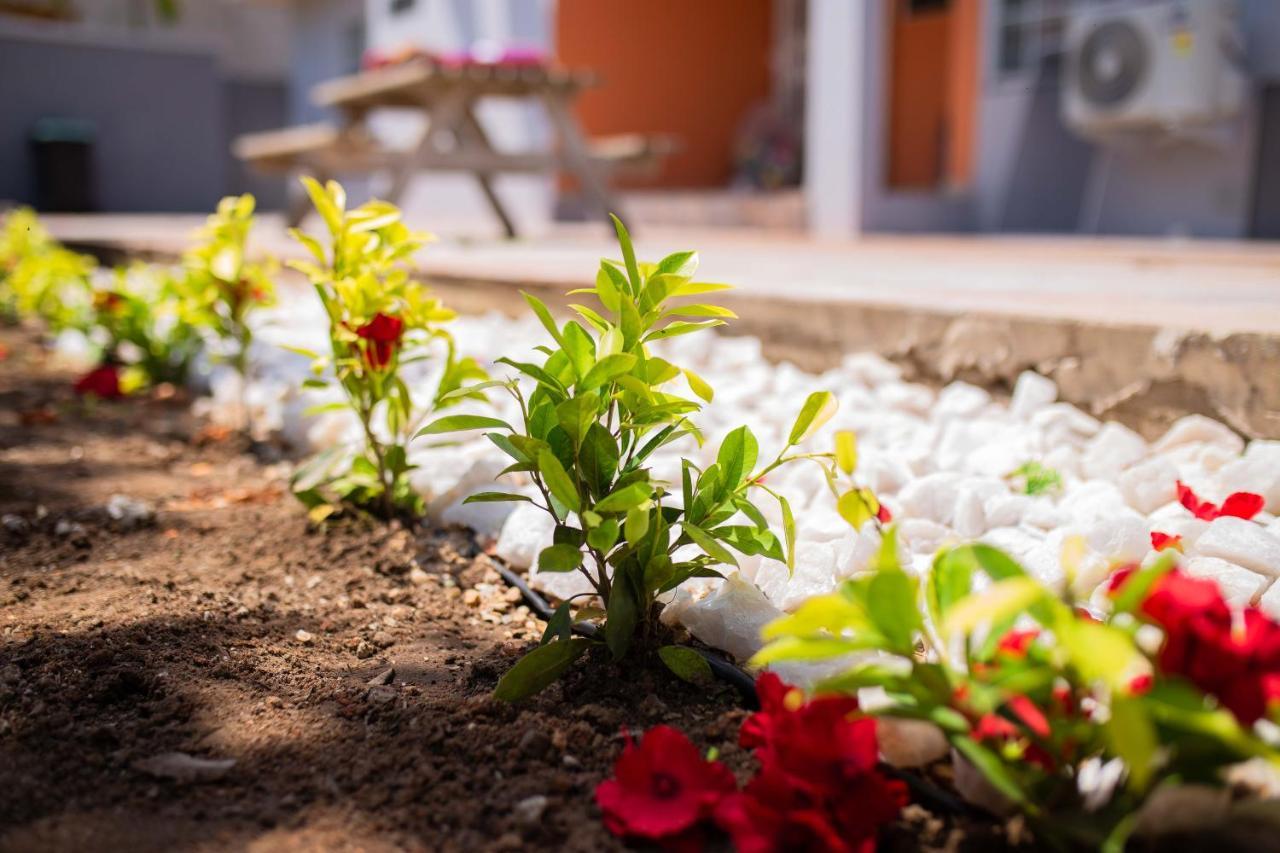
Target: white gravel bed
(937, 459)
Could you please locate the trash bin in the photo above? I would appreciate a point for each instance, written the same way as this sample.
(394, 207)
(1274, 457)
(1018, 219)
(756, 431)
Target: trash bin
(62, 155)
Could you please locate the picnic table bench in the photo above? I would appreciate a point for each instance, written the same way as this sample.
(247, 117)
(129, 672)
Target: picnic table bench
(453, 138)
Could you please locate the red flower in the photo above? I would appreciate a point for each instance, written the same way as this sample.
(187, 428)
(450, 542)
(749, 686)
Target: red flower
(383, 334)
(883, 515)
(1240, 504)
(1161, 541)
(1141, 684)
(772, 815)
(1014, 644)
(661, 788)
(103, 381)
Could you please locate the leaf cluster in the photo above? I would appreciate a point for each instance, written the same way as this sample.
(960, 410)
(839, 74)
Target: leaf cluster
(942, 660)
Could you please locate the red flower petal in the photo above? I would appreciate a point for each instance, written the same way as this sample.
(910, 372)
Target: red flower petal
(1243, 505)
(103, 381)
(1161, 541)
(1203, 510)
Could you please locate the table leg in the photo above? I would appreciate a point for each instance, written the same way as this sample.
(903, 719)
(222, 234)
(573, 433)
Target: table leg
(443, 116)
(472, 127)
(576, 157)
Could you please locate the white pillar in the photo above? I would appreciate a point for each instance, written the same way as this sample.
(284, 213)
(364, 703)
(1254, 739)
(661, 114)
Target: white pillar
(835, 110)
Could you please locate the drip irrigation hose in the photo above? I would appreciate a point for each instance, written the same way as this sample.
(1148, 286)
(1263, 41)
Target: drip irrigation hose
(721, 668)
(922, 790)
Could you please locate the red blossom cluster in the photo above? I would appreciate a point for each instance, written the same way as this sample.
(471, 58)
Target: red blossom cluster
(1235, 660)
(1239, 504)
(383, 334)
(818, 787)
(103, 381)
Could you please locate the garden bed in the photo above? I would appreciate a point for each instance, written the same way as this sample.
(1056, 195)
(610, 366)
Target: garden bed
(182, 635)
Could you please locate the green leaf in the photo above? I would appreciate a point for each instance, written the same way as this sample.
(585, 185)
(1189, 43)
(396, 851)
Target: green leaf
(1133, 738)
(895, 612)
(560, 625)
(990, 766)
(699, 386)
(577, 415)
(625, 498)
(1001, 600)
(604, 536)
(607, 290)
(708, 543)
(637, 524)
(606, 370)
(311, 354)
(623, 615)
(495, 497)
(458, 423)
(1101, 652)
(579, 347)
(951, 581)
(628, 254)
(818, 408)
(598, 458)
(681, 327)
(687, 664)
(854, 508)
(557, 480)
(559, 558)
(846, 451)
(544, 315)
(788, 531)
(737, 457)
(539, 668)
(678, 263)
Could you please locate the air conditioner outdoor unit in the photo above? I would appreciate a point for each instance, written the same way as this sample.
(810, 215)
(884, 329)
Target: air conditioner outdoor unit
(1165, 65)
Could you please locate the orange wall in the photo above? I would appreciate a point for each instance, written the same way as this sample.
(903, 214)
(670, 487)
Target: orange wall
(933, 95)
(690, 68)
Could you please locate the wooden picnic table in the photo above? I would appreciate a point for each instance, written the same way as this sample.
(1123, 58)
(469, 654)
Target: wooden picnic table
(453, 137)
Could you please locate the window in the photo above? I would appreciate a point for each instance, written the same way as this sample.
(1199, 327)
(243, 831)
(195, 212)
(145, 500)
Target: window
(1029, 32)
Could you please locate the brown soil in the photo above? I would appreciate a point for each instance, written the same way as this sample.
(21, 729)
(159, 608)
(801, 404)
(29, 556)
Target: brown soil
(347, 673)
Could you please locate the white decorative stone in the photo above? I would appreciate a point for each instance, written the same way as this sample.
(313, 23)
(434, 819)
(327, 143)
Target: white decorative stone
(1258, 471)
(526, 532)
(1113, 449)
(1031, 393)
(1243, 543)
(922, 536)
(960, 399)
(932, 496)
(1239, 585)
(1198, 428)
(969, 518)
(1149, 485)
(729, 618)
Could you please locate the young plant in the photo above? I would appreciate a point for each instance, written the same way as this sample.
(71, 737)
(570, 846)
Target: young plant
(1035, 478)
(145, 327)
(39, 278)
(1073, 720)
(223, 286)
(598, 409)
(380, 320)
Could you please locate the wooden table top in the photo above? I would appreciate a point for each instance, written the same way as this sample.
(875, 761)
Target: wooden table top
(415, 82)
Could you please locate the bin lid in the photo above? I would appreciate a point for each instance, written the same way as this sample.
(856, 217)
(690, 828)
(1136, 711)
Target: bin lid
(59, 129)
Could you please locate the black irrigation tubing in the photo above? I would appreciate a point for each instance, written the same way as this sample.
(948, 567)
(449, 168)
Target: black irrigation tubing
(922, 790)
(721, 668)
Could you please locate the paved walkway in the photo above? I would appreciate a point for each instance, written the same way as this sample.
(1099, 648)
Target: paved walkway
(1208, 286)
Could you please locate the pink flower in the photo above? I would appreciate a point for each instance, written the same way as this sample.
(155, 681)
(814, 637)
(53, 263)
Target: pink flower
(662, 789)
